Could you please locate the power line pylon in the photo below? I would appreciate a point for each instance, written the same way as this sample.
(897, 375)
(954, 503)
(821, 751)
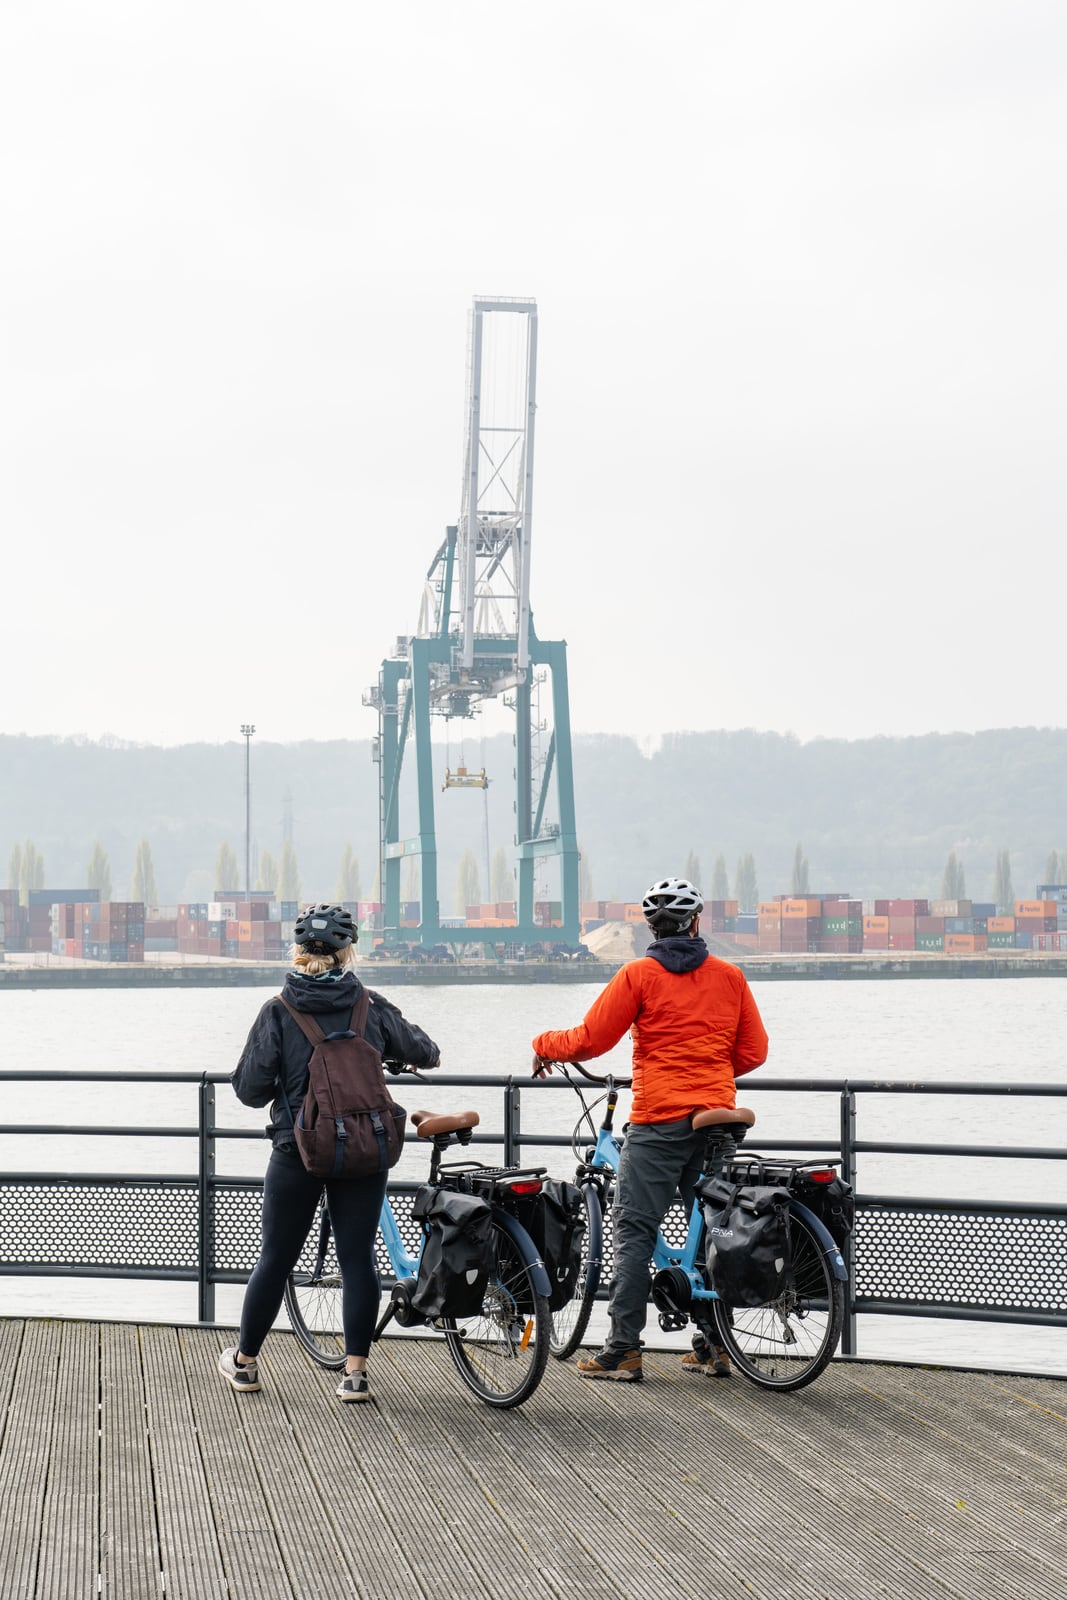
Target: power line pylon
(476, 642)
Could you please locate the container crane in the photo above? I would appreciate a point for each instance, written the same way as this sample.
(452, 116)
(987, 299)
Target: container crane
(476, 642)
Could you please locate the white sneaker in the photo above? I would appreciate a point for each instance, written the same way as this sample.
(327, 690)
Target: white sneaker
(244, 1376)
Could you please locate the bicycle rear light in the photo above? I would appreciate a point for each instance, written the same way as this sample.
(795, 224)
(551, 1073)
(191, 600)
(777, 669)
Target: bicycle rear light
(823, 1175)
(525, 1186)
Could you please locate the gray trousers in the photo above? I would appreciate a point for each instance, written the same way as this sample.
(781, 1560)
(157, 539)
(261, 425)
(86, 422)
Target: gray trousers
(659, 1160)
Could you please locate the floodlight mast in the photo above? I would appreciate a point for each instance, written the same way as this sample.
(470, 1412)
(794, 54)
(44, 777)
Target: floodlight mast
(476, 641)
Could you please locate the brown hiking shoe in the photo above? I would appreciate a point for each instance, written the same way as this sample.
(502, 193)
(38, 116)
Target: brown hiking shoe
(624, 1368)
(709, 1360)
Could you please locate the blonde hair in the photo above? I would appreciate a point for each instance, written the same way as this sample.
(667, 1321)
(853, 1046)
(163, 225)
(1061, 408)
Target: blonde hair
(313, 966)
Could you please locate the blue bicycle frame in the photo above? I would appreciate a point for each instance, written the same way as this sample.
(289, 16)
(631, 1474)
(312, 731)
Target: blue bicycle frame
(606, 1155)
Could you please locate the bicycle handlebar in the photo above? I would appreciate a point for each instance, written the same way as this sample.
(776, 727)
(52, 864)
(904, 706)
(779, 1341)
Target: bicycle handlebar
(541, 1064)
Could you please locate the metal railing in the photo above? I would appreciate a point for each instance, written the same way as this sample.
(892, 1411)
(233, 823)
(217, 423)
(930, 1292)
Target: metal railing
(980, 1260)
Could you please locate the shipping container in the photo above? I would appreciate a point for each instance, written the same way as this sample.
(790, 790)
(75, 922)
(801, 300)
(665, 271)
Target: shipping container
(876, 925)
(909, 908)
(950, 908)
(929, 941)
(959, 944)
(801, 909)
(929, 925)
(1000, 940)
(1035, 908)
(1000, 925)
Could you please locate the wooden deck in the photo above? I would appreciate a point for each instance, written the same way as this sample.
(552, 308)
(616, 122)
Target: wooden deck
(128, 1468)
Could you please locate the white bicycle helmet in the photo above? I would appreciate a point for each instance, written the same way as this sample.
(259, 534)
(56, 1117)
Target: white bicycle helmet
(671, 904)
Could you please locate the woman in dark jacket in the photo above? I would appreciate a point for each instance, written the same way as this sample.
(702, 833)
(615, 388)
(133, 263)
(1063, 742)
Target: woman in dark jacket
(274, 1067)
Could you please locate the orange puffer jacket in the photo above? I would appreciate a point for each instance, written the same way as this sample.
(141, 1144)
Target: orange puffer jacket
(693, 1033)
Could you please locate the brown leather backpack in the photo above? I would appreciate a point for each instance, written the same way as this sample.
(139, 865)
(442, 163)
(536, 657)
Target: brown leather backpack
(349, 1125)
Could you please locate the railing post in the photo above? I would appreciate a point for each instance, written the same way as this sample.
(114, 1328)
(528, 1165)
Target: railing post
(512, 1124)
(206, 1188)
(848, 1172)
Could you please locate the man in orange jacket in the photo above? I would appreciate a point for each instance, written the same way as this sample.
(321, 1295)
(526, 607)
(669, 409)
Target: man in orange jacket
(695, 1029)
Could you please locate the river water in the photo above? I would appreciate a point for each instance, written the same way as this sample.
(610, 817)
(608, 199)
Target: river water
(928, 1031)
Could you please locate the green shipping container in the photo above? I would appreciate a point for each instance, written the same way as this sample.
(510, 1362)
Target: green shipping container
(929, 941)
(1001, 941)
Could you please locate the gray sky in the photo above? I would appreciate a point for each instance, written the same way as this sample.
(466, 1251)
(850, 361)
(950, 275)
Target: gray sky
(800, 274)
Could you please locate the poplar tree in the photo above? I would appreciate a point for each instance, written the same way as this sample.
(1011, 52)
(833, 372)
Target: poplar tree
(1053, 869)
(14, 868)
(31, 871)
(720, 883)
(267, 876)
(953, 883)
(746, 891)
(143, 883)
(1003, 893)
(468, 883)
(348, 884)
(288, 875)
(98, 875)
(585, 878)
(800, 871)
(227, 872)
(503, 882)
(692, 868)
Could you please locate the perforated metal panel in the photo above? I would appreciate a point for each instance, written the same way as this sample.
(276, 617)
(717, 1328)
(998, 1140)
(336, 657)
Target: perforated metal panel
(904, 1254)
(980, 1261)
(121, 1225)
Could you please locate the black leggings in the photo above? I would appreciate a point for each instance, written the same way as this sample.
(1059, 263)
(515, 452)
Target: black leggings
(290, 1196)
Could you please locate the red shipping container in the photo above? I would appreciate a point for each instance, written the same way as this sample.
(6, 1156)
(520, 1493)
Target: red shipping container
(901, 925)
(929, 924)
(901, 941)
(908, 908)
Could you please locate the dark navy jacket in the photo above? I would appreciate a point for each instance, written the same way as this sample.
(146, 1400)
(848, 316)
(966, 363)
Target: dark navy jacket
(276, 1054)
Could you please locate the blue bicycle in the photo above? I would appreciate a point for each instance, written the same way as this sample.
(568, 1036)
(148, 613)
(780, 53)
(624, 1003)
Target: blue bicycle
(502, 1350)
(783, 1344)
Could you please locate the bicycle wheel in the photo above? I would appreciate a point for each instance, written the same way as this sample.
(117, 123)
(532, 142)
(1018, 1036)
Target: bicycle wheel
(313, 1298)
(786, 1343)
(501, 1351)
(571, 1320)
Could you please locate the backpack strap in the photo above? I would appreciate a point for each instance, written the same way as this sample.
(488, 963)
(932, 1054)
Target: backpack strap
(307, 1025)
(358, 1023)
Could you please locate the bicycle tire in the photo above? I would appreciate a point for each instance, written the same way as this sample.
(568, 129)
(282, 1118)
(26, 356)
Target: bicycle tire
(313, 1301)
(788, 1342)
(571, 1320)
(501, 1352)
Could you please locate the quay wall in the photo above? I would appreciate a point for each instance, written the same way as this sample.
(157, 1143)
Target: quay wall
(258, 975)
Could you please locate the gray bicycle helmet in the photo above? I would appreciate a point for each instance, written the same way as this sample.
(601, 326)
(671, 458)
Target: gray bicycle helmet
(671, 904)
(325, 929)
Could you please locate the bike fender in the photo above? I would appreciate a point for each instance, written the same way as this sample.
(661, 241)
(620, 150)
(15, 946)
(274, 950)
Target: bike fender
(526, 1248)
(825, 1238)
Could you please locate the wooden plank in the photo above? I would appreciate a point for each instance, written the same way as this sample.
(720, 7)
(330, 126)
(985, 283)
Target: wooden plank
(888, 1492)
(130, 1559)
(267, 1509)
(189, 1546)
(26, 1457)
(872, 1483)
(70, 1523)
(372, 1472)
(555, 1524)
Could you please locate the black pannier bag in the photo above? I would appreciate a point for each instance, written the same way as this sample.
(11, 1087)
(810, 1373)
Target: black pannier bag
(748, 1255)
(833, 1203)
(556, 1223)
(457, 1252)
